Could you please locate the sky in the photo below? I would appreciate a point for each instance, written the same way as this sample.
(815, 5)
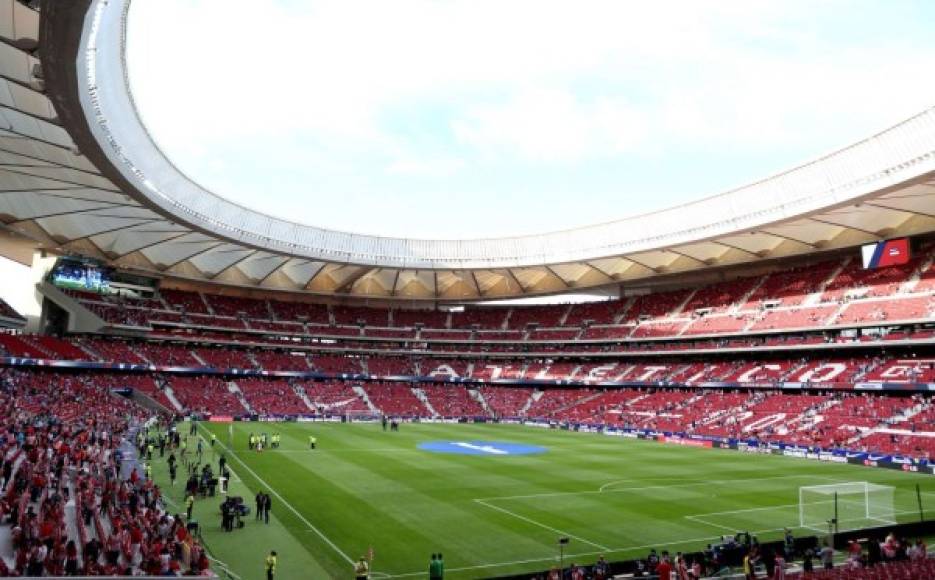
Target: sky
(483, 118)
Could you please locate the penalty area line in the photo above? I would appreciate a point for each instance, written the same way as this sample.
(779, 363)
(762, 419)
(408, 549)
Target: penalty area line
(541, 525)
(288, 505)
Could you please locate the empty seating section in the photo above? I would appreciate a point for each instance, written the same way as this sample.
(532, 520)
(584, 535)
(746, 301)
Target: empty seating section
(791, 287)
(115, 351)
(873, 282)
(389, 333)
(238, 306)
(222, 322)
(281, 361)
(452, 401)
(284, 327)
(783, 318)
(598, 332)
(336, 364)
(554, 334)
(13, 345)
(510, 335)
(190, 302)
(731, 323)
(382, 366)
(438, 334)
(721, 296)
(361, 315)
(427, 318)
(656, 305)
(899, 444)
(486, 318)
(659, 329)
(272, 397)
(166, 355)
(889, 309)
(543, 316)
(225, 358)
(313, 313)
(604, 312)
(831, 292)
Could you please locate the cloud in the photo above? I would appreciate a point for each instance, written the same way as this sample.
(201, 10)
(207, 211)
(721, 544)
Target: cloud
(551, 125)
(497, 101)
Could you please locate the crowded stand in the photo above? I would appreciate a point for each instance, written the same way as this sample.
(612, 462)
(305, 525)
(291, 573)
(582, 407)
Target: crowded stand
(67, 509)
(272, 397)
(452, 401)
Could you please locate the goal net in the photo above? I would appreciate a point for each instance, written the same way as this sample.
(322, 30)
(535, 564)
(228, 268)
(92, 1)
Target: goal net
(853, 505)
(357, 416)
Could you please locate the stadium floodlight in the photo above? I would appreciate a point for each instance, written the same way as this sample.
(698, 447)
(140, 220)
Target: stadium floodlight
(846, 506)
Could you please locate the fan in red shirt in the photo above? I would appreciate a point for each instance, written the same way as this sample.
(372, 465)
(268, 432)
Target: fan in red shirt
(664, 569)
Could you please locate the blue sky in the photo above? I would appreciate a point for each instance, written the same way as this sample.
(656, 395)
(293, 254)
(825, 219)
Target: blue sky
(476, 118)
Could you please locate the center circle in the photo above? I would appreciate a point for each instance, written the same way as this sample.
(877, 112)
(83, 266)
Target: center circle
(490, 448)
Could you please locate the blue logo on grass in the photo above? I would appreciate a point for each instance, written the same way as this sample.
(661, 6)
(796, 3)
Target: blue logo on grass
(492, 448)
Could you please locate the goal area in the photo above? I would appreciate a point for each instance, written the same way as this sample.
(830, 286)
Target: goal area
(846, 506)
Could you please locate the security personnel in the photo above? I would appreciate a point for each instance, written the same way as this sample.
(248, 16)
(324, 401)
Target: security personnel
(189, 505)
(312, 441)
(361, 569)
(271, 562)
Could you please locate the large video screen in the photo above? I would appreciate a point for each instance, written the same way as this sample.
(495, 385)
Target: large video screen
(79, 275)
(888, 253)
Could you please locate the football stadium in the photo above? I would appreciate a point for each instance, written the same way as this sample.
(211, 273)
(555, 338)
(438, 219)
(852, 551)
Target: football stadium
(310, 290)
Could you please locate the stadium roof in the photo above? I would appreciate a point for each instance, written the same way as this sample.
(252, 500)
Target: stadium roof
(80, 174)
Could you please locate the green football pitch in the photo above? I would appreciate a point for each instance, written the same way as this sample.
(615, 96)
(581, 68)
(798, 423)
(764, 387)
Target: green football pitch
(494, 514)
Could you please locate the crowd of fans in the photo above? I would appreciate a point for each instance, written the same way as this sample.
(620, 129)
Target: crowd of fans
(73, 500)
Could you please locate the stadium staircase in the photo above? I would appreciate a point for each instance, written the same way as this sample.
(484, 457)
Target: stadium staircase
(359, 390)
(535, 396)
(170, 395)
(300, 392)
(479, 397)
(235, 390)
(420, 394)
(200, 360)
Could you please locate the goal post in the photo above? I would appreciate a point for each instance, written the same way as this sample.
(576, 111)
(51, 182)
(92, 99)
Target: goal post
(846, 506)
(358, 416)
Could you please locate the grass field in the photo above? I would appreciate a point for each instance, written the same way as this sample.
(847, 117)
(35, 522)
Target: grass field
(498, 514)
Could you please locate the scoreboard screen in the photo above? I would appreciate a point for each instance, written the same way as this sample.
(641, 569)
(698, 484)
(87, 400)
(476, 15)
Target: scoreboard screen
(888, 253)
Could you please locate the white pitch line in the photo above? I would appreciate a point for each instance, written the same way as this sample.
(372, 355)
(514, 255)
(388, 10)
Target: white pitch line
(541, 525)
(288, 505)
(660, 544)
(643, 488)
(615, 482)
(712, 524)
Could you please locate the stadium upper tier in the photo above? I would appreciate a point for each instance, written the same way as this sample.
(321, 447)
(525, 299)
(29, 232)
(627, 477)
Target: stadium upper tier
(80, 174)
(829, 294)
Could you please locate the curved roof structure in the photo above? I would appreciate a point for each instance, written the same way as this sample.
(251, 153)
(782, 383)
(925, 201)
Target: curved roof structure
(80, 174)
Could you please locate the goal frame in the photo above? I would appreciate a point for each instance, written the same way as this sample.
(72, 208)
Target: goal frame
(849, 489)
